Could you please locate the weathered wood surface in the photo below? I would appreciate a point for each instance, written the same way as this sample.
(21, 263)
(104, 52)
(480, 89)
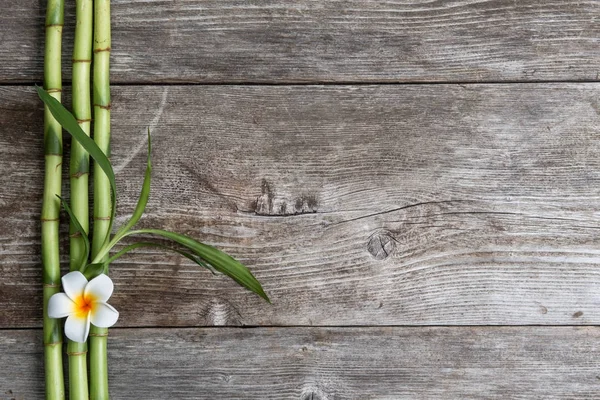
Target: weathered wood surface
(325, 41)
(427, 204)
(329, 363)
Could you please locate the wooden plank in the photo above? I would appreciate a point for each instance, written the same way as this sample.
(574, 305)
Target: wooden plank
(329, 363)
(325, 41)
(392, 205)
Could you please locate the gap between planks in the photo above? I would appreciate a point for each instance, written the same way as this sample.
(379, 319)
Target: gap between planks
(324, 83)
(291, 327)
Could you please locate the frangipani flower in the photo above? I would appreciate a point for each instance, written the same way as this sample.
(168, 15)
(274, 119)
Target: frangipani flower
(83, 302)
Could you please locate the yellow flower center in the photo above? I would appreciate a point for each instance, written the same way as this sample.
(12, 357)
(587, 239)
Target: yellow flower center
(84, 304)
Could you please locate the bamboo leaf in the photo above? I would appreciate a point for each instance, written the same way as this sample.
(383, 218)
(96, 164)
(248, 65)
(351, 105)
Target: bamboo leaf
(187, 255)
(69, 123)
(144, 195)
(219, 260)
(81, 231)
(91, 271)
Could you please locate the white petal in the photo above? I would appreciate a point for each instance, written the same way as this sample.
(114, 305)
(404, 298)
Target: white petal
(77, 328)
(104, 315)
(100, 288)
(60, 306)
(74, 284)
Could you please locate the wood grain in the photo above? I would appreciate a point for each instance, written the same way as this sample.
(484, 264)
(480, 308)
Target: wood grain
(334, 363)
(325, 41)
(383, 205)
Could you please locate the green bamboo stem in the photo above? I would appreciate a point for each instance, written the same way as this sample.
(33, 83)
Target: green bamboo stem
(79, 165)
(51, 204)
(79, 178)
(102, 192)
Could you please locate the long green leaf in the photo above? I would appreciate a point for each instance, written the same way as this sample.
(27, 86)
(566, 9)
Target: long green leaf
(187, 255)
(220, 261)
(93, 270)
(68, 121)
(81, 231)
(144, 195)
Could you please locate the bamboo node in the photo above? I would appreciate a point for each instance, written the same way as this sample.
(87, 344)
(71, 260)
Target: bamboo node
(51, 285)
(81, 121)
(76, 60)
(51, 25)
(101, 218)
(79, 174)
(54, 90)
(101, 49)
(76, 353)
(53, 344)
(107, 107)
(99, 334)
(75, 235)
(49, 219)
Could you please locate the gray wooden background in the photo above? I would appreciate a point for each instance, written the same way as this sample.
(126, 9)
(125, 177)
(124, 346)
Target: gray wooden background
(416, 184)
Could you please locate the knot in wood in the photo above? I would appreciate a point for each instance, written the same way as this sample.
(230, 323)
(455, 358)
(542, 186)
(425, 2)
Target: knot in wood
(381, 245)
(311, 396)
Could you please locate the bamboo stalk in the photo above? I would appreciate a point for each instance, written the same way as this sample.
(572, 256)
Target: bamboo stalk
(79, 178)
(102, 199)
(51, 204)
